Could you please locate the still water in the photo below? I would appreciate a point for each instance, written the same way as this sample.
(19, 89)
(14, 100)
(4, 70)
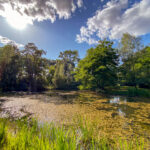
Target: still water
(113, 115)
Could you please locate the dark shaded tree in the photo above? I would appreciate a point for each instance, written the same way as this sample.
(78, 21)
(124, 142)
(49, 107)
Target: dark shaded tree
(34, 67)
(9, 67)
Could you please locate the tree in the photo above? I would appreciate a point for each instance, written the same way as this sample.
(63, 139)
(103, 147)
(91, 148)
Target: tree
(6, 54)
(143, 67)
(64, 76)
(60, 80)
(34, 66)
(9, 67)
(129, 46)
(99, 68)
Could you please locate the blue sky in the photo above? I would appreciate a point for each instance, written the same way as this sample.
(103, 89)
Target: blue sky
(90, 21)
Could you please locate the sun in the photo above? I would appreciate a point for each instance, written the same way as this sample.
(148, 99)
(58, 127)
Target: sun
(15, 19)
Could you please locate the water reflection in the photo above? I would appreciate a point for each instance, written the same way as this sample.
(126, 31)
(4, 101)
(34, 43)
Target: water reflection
(67, 98)
(117, 100)
(121, 113)
(75, 98)
(121, 103)
(114, 115)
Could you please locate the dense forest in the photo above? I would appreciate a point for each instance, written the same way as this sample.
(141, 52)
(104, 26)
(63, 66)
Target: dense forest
(103, 66)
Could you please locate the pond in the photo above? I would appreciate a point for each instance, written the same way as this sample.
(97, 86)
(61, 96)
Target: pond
(113, 115)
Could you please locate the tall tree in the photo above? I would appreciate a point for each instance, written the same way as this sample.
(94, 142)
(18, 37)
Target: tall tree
(99, 68)
(10, 77)
(59, 79)
(129, 46)
(9, 67)
(143, 67)
(63, 76)
(6, 54)
(34, 66)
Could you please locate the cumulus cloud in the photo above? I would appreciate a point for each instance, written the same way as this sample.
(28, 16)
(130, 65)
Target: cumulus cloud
(117, 18)
(41, 9)
(80, 3)
(5, 41)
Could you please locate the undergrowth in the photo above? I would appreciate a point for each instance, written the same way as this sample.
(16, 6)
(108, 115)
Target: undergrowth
(130, 91)
(29, 135)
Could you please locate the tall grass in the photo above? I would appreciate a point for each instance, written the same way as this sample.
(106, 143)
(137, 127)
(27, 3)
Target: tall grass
(2, 133)
(24, 135)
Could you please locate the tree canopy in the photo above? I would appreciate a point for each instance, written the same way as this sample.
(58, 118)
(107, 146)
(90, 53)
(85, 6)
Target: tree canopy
(103, 66)
(99, 68)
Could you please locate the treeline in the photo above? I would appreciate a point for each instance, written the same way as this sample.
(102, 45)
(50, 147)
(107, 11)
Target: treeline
(22, 70)
(103, 66)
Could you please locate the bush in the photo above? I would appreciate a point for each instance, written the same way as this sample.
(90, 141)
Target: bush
(138, 92)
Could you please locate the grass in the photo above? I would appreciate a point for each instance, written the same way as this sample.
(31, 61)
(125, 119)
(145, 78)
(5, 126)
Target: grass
(24, 135)
(130, 91)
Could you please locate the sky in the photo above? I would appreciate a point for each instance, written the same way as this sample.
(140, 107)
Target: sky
(58, 25)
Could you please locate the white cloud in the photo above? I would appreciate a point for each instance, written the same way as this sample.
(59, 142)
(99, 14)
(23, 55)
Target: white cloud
(40, 9)
(5, 41)
(80, 3)
(115, 19)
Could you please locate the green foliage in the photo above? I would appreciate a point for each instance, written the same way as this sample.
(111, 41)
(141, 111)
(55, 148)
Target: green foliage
(2, 132)
(28, 70)
(51, 74)
(9, 67)
(138, 92)
(135, 69)
(24, 135)
(99, 68)
(63, 77)
(143, 68)
(130, 46)
(59, 80)
(22, 70)
(34, 67)
(130, 91)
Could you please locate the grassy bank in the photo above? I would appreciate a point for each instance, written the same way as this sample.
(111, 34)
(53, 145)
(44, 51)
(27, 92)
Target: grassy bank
(129, 91)
(24, 135)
